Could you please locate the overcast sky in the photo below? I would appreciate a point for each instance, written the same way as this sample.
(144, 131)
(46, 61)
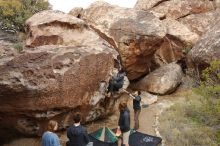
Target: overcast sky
(67, 5)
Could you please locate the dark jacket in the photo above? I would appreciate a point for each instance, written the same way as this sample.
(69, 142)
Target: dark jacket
(137, 103)
(77, 136)
(124, 120)
(120, 78)
(116, 82)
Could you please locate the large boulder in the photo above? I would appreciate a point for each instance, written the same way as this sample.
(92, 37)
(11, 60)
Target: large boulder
(200, 23)
(186, 22)
(197, 15)
(143, 41)
(161, 81)
(175, 8)
(217, 3)
(177, 39)
(51, 82)
(147, 4)
(54, 81)
(57, 28)
(180, 31)
(147, 98)
(206, 50)
(136, 34)
(76, 12)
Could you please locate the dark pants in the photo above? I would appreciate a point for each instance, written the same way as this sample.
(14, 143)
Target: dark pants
(136, 119)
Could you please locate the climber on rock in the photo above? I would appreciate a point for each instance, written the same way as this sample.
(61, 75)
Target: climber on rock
(116, 82)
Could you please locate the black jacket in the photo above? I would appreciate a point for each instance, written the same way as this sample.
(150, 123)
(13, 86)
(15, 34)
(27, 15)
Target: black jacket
(77, 136)
(124, 120)
(120, 78)
(137, 103)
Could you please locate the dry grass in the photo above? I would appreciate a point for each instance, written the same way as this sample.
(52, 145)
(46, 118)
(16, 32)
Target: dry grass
(179, 128)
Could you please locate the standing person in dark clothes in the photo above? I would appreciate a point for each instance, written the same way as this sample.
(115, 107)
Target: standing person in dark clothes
(137, 108)
(77, 134)
(124, 124)
(49, 138)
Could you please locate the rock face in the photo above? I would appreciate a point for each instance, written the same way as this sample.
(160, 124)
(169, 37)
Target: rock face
(180, 31)
(207, 49)
(147, 4)
(186, 22)
(200, 23)
(217, 3)
(54, 81)
(50, 82)
(56, 28)
(197, 15)
(161, 81)
(177, 38)
(142, 40)
(175, 8)
(76, 12)
(135, 34)
(6, 52)
(148, 98)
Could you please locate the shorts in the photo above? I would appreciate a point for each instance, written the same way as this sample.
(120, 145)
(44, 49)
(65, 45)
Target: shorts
(125, 137)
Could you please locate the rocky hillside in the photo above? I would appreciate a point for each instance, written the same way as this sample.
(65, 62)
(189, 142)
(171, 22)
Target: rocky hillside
(152, 34)
(67, 55)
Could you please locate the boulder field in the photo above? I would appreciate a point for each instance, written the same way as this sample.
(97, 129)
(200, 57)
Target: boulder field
(67, 56)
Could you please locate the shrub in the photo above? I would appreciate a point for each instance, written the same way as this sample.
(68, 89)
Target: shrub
(13, 13)
(18, 46)
(196, 120)
(179, 127)
(210, 84)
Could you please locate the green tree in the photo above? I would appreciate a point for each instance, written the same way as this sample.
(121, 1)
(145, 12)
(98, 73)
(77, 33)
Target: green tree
(14, 13)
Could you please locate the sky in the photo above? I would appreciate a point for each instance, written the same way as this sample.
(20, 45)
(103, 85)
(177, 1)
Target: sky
(67, 5)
